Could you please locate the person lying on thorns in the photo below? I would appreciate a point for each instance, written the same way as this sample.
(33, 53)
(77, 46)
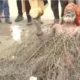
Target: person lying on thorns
(70, 22)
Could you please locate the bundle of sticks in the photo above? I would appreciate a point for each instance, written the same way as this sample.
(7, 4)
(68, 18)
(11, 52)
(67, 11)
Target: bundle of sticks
(57, 58)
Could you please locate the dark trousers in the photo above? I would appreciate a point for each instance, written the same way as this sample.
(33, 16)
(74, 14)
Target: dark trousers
(19, 6)
(27, 7)
(54, 7)
(45, 2)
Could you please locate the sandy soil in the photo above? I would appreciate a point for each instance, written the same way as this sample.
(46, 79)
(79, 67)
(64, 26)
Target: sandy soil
(16, 64)
(5, 34)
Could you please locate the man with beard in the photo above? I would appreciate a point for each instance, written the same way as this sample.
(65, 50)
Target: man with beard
(70, 23)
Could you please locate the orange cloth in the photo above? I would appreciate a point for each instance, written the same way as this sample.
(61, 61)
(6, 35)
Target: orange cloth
(74, 6)
(77, 10)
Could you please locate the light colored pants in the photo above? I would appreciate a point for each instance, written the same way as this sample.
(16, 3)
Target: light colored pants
(77, 2)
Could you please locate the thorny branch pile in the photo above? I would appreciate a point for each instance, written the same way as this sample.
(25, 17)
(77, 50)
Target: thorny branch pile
(57, 58)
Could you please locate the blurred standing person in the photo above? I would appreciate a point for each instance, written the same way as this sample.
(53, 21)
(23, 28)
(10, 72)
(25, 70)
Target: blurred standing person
(1, 9)
(4, 8)
(27, 8)
(54, 7)
(20, 12)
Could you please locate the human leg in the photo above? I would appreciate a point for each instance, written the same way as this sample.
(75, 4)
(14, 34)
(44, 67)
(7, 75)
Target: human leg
(27, 7)
(20, 13)
(54, 7)
(63, 5)
(6, 11)
(1, 9)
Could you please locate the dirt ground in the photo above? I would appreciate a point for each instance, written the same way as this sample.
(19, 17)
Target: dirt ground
(5, 34)
(34, 57)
